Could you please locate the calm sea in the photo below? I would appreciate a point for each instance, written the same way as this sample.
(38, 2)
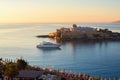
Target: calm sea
(101, 58)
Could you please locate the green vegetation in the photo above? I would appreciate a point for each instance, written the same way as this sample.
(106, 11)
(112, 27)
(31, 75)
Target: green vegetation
(10, 70)
(21, 64)
(63, 78)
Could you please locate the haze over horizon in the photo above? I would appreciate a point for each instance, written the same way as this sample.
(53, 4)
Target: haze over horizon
(59, 11)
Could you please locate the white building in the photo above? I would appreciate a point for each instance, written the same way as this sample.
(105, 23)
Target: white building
(65, 29)
(82, 29)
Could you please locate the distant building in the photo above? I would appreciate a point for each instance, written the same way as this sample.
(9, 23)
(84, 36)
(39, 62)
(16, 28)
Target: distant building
(82, 29)
(65, 29)
(78, 32)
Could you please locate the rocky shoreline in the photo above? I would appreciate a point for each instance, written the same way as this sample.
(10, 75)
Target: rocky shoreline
(82, 34)
(21, 70)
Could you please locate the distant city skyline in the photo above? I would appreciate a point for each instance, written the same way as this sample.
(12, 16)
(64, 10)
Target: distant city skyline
(59, 11)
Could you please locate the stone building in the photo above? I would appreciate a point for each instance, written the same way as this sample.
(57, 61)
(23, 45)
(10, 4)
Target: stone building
(82, 29)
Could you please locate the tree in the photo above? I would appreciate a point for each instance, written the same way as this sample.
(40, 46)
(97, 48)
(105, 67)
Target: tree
(21, 64)
(106, 30)
(2, 66)
(63, 78)
(11, 70)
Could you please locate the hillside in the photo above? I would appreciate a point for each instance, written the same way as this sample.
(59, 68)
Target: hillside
(118, 21)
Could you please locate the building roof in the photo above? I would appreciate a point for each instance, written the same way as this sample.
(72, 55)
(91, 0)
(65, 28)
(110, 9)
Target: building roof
(29, 74)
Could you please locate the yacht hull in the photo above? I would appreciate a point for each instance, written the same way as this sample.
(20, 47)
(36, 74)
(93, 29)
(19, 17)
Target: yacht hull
(56, 46)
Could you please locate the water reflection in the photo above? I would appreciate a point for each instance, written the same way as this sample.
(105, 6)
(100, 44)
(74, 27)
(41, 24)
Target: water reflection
(98, 45)
(93, 56)
(97, 58)
(79, 42)
(49, 49)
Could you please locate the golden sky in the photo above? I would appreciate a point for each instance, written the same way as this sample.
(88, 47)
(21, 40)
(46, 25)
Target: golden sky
(59, 11)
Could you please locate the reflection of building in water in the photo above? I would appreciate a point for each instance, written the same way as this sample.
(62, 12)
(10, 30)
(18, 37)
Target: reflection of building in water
(72, 46)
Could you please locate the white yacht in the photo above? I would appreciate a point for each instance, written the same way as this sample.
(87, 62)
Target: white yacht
(48, 45)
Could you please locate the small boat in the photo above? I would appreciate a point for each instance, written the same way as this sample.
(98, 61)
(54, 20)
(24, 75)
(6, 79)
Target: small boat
(48, 45)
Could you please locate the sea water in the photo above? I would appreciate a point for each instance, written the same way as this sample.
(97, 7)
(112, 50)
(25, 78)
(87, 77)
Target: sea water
(96, 58)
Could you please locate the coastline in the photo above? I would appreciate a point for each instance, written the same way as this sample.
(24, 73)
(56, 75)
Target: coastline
(21, 68)
(82, 33)
(17, 49)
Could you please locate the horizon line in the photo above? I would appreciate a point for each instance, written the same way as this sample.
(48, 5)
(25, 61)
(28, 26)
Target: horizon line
(56, 23)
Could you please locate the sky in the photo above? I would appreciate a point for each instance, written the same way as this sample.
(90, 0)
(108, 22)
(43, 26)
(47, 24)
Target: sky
(59, 11)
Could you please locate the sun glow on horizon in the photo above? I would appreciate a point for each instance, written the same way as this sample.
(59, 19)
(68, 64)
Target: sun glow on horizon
(58, 11)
